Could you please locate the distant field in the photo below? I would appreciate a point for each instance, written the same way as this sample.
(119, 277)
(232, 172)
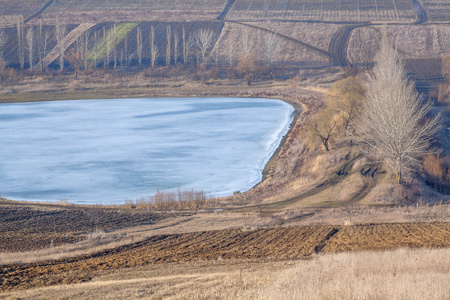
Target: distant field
(23, 7)
(134, 10)
(325, 10)
(305, 35)
(411, 41)
(437, 10)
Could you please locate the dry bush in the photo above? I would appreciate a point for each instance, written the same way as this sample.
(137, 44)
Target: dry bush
(174, 200)
(433, 165)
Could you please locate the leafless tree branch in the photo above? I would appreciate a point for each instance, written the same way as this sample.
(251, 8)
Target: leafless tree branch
(394, 125)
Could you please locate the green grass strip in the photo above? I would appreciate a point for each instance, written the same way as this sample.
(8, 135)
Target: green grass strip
(123, 29)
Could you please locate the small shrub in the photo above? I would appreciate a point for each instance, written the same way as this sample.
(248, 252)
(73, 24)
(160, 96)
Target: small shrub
(433, 166)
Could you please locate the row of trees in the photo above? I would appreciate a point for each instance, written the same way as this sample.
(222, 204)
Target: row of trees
(90, 48)
(386, 117)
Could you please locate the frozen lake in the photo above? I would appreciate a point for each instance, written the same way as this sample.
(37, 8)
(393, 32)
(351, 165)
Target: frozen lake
(107, 151)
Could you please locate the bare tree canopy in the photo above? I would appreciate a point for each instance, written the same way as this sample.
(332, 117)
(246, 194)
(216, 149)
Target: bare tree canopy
(205, 40)
(346, 97)
(168, 45)
(270, 47)
(247, 42)
(60, 34)
(3, 39)
(29, 36)
(139, 44)
(393, 123)
(323, 127)
(153, 47)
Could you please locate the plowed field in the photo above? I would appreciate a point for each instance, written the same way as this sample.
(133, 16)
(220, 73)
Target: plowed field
(269, 243)
(26, 228)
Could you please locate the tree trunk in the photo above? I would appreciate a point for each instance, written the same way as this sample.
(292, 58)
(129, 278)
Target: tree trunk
(168, 47)
(184, 46)
(398, 177)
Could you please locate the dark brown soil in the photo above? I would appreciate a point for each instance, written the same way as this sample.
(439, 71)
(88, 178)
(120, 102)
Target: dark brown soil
(268, 243)
(24, 228)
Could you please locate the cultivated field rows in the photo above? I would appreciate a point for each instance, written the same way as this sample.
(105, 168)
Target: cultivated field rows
(25, 229)
(437, 10)
(21, 7)
(411, 41)
(327, 10)
(414, 274)
(101, 11)
(267, 243)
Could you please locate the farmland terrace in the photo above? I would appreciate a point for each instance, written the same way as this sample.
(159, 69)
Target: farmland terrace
(308, 33)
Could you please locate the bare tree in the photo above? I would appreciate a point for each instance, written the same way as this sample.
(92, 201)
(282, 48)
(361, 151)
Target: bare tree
(75, 58)
(190, 45)
(346, 98)
(323, 127)
(204, 39)
(44, 39)
(105, 50)
(349, 207)
(30, 43)
(153, 46)
(96, 41)
(230, 51)
(217, 56)
(80, 49)
(184, 45)
(86, 49)
(39, 44)
(168, 45)
(125, 46)
(60, 34)
(176, 41)
(3, 39)
(139, 44)
(247, 42)
(270, 47)
(393, 124)
(114, 44)
(19, 26)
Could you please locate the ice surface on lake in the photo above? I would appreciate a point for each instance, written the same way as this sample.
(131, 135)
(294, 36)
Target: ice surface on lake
(107, 151)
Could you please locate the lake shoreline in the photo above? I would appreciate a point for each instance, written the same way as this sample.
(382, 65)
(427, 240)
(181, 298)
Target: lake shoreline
(251, 92)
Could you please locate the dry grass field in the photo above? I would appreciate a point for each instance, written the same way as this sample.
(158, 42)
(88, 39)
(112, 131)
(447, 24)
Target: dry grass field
(202, 237)
(395, 274)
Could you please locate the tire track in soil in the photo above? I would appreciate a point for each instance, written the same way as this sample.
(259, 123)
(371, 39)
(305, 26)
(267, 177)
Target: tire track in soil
(337, 176)
(339, 44)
